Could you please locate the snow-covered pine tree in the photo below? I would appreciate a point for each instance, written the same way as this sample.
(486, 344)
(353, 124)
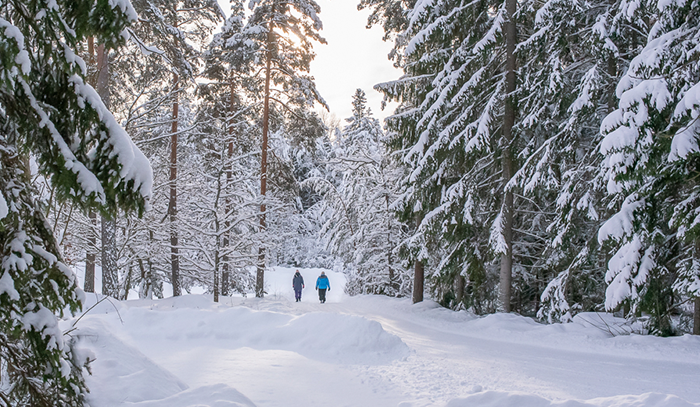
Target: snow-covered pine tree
(227, 112)
(179, 29)
(48, 111)
(283, 33)
(364, 230)
(651, 151)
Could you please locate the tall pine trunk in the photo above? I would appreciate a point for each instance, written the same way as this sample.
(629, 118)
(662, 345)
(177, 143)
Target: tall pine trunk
(217, 254)
(110, 278)
(508, 124)
(172, 204)
(460, 287)
(89, 283)
(696, 311)
(217, 227)
(225, 273)
(389, 259)
(260, 280)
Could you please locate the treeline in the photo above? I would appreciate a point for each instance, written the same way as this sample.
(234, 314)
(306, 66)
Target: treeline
(551, 150)
(223, 109)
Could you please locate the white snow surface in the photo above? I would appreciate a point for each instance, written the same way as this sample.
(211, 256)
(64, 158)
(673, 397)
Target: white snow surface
(369, 351)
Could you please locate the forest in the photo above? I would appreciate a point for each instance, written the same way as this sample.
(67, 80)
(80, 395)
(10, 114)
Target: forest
(543, 160)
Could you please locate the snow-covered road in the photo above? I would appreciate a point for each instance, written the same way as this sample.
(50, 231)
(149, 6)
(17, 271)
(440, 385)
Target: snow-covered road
(371, 351)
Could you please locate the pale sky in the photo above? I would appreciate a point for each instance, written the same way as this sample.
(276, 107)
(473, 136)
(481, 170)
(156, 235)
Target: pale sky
(354, 57)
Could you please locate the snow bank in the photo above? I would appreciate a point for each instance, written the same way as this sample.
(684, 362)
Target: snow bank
(121, 373)
(596, 332)
(345, 338)
(123, 376)
(502, 399)
(322, 336)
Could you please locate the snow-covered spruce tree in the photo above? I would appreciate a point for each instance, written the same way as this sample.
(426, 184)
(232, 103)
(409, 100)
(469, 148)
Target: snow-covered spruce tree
(307, 156)
(450, 128)
(282, 33)
(48, 111)
(651, 152)
(572, 60)
(290, 230)
(363, 229)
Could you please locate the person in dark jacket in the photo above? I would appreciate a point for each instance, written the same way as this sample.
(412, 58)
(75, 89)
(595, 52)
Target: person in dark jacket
(322, 284)
(298, 284)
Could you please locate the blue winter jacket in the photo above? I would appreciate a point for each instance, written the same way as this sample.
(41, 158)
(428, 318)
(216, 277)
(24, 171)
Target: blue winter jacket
(322, 282)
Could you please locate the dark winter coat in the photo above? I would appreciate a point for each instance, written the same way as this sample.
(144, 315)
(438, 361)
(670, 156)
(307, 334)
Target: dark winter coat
(298, 282)
(322, 282)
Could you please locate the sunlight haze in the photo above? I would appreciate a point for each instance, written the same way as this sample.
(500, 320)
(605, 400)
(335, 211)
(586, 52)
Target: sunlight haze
(354, 57)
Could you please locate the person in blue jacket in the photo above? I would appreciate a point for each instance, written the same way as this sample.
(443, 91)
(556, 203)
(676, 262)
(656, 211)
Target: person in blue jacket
(298, 285)
(322, 284)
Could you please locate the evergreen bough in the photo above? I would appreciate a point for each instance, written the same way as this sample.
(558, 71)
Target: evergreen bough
(49, 113)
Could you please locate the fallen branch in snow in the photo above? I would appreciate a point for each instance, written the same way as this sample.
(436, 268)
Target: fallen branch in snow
(73, 328)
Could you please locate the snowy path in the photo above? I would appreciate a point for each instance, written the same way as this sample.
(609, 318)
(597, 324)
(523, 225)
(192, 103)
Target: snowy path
(497, 363)
(371, 351)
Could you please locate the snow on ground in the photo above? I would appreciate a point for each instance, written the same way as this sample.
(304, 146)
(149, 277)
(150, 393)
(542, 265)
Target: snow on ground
(369, 351)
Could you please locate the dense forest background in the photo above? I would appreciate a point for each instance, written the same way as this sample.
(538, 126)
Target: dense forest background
(540, 160)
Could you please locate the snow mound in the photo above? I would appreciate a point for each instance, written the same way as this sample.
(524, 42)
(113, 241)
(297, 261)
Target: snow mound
(322, 336)
(325, 336)
(135, 380)
(133, 376)
(502, 399)
(345, 338)
(608, 323)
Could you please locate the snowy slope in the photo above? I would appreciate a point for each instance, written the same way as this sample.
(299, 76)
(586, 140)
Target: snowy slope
(370, 351)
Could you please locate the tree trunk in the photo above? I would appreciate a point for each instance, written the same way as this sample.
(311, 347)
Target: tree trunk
(460, 286)
(696, 316)
(89, 283)
(109, 258)
(225, 273)
(508, 124)
(696, 311)
(172, 204)
(260, 278)
(109, 226)
(151, 279)
(418, 280)
(612, 72)
(418, 273)
(393, 284)
(216, 271)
